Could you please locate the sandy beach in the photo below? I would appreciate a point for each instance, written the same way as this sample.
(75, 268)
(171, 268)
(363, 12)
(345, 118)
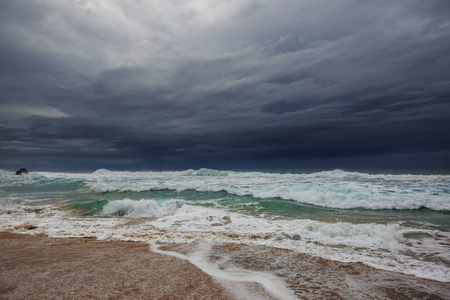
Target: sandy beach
(38, 267)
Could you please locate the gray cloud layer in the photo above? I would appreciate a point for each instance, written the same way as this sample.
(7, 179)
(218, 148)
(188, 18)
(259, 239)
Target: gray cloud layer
(224, 83)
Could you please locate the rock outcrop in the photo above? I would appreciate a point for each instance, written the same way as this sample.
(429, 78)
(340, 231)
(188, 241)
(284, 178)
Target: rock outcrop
(21, 171)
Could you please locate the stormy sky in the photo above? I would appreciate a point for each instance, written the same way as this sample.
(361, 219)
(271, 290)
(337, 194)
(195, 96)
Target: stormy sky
(168, 84)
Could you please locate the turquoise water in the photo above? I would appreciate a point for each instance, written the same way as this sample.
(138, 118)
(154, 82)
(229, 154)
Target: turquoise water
(400, 216)
(397, 190)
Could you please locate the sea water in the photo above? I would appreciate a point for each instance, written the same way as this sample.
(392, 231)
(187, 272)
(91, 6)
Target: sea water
(391, 219)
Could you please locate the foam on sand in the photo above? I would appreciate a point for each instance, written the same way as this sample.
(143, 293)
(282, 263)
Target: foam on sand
(385, 246)
(273, 284)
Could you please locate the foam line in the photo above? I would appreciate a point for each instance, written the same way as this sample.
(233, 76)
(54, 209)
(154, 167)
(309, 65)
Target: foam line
(273, 284)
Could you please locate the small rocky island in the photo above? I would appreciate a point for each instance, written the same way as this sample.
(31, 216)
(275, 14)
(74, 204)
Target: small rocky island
(21, 171)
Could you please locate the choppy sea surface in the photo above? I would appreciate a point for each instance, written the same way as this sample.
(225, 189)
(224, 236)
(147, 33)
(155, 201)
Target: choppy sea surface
(391, 219)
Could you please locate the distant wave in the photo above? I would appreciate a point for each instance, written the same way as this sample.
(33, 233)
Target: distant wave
(333, 189)
(334, 174)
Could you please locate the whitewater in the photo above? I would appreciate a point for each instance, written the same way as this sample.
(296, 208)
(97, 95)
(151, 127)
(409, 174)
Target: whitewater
(395, 220)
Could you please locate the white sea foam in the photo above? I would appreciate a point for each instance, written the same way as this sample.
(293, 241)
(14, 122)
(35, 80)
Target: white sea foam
(140, 209)
(394, 246)
(384, 246)
(196, 218)
(273, 284)
(8, 178)
(334, 189)
(380, 245)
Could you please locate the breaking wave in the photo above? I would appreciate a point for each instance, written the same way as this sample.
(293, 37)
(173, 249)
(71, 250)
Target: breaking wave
(332, 189)
(139, 209)
(391, 246)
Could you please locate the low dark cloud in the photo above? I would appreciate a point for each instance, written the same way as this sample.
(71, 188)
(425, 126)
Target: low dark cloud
(235, 84)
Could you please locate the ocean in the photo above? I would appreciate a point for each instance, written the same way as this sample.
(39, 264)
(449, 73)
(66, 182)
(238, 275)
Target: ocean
(389, 219)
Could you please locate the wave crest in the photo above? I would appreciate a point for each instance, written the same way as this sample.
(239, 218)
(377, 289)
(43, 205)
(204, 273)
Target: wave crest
(143, 208)
(333, 189)
(102, 172)
(205, 172)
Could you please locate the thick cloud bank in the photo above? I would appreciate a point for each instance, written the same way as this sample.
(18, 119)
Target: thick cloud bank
(225, 84)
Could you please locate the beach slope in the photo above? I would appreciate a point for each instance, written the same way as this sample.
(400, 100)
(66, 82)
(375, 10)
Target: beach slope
(36, 267)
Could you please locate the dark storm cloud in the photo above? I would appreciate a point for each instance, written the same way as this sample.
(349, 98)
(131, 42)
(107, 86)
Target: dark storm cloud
(236, 83)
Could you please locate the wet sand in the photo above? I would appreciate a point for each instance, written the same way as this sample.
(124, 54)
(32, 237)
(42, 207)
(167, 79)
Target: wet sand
(312, 277)
(38, 267)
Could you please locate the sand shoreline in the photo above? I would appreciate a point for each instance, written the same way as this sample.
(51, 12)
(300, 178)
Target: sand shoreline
(39, 267)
